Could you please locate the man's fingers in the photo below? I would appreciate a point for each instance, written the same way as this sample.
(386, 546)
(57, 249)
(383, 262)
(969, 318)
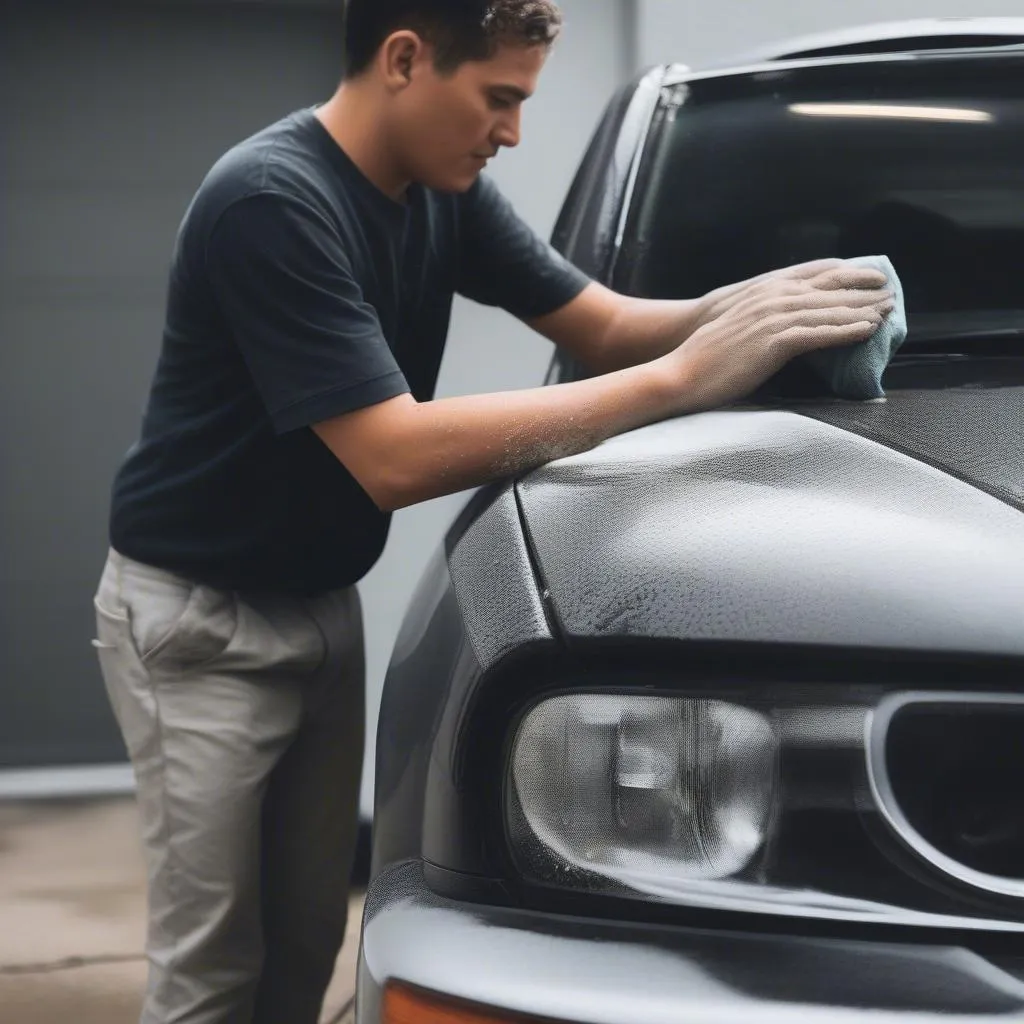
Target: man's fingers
(807, 339)
(824, 275)
(793, 296)
(881, 299)
(846, 277)
(841, 315)
(805, 271)
(832, 316)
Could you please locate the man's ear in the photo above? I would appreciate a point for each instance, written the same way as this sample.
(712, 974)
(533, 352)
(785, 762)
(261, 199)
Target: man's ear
(399, 54)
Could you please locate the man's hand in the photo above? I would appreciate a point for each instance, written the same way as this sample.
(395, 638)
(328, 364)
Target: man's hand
(721, 300)
(606, 331)
(755, 328)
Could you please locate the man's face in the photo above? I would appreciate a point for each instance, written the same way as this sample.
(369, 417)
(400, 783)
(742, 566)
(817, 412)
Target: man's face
(446, 127)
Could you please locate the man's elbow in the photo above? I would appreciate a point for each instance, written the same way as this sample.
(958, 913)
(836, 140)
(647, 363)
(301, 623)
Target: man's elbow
(393, 487)
(382, 451)
(394, 500)
(385, 501)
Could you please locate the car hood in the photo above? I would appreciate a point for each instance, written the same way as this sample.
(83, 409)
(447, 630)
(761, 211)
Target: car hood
(774, 526)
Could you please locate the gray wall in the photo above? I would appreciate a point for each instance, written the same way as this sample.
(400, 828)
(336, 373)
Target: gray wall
(113, 112)
(696, 32)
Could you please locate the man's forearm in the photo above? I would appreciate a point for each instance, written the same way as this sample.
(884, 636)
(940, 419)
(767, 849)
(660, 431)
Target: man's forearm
(644, 329)
(426, 450)
(606, 331)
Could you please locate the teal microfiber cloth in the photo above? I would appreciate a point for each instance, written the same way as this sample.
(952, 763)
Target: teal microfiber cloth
(855, 372)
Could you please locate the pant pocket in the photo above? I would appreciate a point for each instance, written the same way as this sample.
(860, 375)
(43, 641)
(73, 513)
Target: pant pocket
(112, 628)
(124, 678)
(182, 628)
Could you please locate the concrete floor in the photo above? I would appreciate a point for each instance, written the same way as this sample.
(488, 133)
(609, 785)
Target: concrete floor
(72, 917)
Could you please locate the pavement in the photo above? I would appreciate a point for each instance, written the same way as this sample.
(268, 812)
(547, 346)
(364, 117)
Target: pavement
(72, 917)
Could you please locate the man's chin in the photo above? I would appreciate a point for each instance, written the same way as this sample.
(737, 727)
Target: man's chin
(453, 184)
(460, 189)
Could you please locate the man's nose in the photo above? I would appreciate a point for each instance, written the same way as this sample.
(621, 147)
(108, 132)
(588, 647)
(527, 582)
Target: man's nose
(507, 132)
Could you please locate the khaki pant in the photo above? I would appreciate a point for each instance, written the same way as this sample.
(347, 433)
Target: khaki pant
(243, 718)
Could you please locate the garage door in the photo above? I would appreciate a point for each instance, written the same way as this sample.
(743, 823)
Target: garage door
(112, 113)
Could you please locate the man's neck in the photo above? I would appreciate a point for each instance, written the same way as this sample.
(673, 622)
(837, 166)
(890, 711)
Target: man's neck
(350, 117)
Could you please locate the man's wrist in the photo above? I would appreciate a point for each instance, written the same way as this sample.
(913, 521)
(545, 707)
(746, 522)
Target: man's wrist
(704, 312)
(665, 386)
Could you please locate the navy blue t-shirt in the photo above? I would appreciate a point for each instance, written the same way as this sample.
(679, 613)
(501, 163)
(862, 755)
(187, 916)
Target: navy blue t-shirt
(299, 292)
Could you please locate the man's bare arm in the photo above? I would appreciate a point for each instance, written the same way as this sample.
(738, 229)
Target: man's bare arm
(403, 452)
(606, 331)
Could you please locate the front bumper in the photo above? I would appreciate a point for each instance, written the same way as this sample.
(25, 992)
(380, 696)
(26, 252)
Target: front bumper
(612, 972)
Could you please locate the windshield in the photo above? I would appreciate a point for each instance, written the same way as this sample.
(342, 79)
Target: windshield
(932, 178)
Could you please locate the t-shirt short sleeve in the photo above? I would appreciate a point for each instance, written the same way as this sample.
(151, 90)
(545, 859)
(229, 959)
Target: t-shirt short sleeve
(284, 283)
(503, 262)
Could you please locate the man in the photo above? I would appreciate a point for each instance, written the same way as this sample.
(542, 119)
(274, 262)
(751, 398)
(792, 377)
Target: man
(292, 410)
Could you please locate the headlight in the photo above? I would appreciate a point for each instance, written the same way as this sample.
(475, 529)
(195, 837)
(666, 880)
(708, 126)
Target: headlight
(730, 803)
(642, 789)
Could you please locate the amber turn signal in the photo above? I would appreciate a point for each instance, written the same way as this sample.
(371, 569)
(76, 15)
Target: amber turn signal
(404, 1005)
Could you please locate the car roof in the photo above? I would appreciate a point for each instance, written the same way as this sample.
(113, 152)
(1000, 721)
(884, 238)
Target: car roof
(897, 37)
(885, 41)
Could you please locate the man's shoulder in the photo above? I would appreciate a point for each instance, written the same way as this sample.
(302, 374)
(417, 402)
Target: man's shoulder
(280, 158)
(485, 200)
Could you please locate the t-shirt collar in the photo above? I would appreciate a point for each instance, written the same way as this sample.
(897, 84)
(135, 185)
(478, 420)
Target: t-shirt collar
(352, 174)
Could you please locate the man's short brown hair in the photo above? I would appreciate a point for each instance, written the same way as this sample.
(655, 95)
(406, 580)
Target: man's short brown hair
(459, 30)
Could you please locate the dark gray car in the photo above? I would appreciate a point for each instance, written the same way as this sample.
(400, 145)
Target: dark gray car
(724, 720)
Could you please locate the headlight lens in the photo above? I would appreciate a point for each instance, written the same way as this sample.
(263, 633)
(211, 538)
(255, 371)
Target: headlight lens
(725, 803)
(645, 788)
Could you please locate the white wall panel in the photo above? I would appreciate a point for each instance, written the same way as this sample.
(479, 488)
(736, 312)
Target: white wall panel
(696, 32)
